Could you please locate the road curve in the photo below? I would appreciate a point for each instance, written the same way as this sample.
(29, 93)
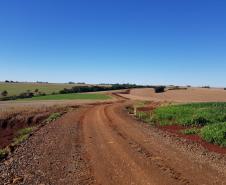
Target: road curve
(121, 151)
(102, 144)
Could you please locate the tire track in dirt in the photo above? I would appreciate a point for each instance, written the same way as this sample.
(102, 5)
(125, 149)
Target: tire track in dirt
(102, 144)
(121, 152)
(140, 149)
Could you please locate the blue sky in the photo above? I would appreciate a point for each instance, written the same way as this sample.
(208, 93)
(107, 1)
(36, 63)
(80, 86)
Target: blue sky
(107, 41)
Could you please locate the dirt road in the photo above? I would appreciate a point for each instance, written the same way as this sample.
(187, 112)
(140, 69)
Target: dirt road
(102, 144)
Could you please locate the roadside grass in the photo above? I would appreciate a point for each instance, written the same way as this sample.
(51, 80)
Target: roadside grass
(22, 135)
(53, 117)
(72, 96)
(207, 119)
(215, 133)
(197, 114)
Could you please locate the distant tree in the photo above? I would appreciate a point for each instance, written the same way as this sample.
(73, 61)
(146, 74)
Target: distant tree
(71, 82)
(4, 93)
(206, 86)
(36, 91)
(7, 81)
(159, 89)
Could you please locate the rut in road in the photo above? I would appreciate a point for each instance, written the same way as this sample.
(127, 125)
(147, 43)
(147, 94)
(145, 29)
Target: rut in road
(122, 152)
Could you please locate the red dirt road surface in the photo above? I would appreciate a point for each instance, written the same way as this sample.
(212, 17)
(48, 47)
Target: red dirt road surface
(102, 144)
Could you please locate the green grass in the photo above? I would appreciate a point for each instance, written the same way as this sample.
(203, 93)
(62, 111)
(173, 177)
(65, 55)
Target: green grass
(72, 96)
(17, 88)
(22, 135)
(53, 117)
(210, 118)
(215, 133)
(197, 114)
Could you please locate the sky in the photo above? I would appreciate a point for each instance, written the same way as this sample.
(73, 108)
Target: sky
(180, 42)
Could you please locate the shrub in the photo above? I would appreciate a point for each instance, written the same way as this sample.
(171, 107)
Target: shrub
(159, 89)
(199, 120)
(41, 94)
(215, 133)
(4, 93)
(3, 153)
(224, 88)
(27, 94)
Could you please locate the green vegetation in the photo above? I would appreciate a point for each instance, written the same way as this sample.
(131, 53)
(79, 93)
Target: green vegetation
(206, 86)
(72, 96)
(28, 90)
(22, 135)
(215, 133)
(191, 131)
(208, 119)
(159, 89)
(144, 116)
(18, 88)
(4, 93)
(197, 114)
(53, 117)
(3, 153)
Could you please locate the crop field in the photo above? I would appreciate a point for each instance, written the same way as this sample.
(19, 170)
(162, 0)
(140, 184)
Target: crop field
(191, 94)
(208, 120)
(48, 88)
(71, 96)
